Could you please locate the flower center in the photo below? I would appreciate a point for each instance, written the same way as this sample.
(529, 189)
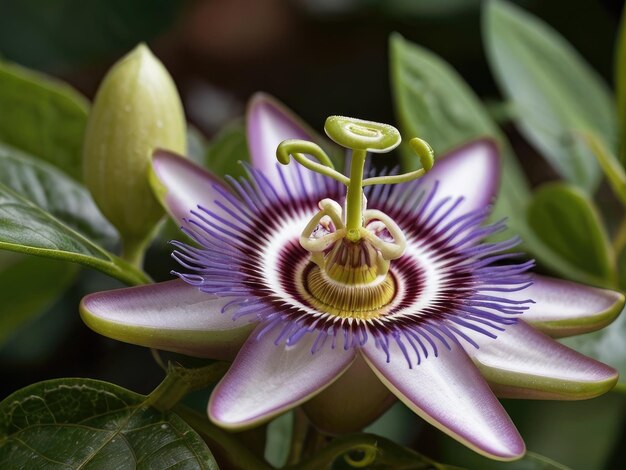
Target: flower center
(351, 247)
(362, 301)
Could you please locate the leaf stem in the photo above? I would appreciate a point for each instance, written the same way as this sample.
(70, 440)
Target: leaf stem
(179, 381)
(133, 251)
(225, 444)
(124, 271)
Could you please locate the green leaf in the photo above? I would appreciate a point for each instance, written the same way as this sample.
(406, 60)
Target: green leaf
(227, 149)
(434, 103)
(552, 89)
(26, 228)
(54, 192)
(46, 119)
(29, 284)
(88, 424)
(567, 221)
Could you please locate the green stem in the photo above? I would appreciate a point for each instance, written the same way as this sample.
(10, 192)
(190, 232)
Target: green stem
(179, 381)
(133, 251)
(232, 450)
(124, 271)
(354, 198)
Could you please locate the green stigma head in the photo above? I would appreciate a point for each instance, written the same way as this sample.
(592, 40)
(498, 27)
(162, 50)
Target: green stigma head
(358, 134)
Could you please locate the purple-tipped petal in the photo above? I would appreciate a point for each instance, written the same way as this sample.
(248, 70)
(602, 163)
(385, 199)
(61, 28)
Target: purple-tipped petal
(449, 392)
(172, 316)
(268, 123)
(524, 363)
(181, 185)
(267, 379)
(352, 402)
(471, 171)
(564, 308)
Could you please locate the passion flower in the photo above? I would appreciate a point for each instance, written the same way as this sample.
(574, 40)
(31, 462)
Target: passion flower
(341, 292)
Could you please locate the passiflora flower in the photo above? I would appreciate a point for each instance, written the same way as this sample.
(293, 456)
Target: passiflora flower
(341, 293)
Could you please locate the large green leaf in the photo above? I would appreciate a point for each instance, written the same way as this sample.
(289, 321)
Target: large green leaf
(29, 284)
(553, 90)
(434, 103)
(54, 192)
(567, 221)
(88, 424)
(43, 117)
(26, 228)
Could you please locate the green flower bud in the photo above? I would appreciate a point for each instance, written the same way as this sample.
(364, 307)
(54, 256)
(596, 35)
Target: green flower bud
(136, 109)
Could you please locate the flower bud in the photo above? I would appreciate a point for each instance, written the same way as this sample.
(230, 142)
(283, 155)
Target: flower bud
(136, 109)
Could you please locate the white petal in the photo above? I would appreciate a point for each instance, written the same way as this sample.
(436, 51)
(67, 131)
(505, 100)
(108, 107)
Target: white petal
(525, 363)
(172, 316)
(266, 380)
(449, 392)
(565, 308)
(471, 171)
